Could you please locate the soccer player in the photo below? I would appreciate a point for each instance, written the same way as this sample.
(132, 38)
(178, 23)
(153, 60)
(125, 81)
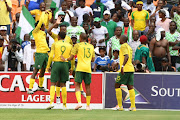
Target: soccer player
(41, 55)
(60, 68)
(85, 54)
(126, 76)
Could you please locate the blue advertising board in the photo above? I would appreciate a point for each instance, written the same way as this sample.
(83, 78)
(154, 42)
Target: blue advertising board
(153, 91)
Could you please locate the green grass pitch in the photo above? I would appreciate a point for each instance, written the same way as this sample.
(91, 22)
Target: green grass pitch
(55, 114)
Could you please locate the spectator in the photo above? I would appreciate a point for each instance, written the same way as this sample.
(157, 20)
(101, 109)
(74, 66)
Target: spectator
(159, 48)
(29, 55)
(114, 41)
(149, 6)
(86, 19)
(165, 66)
(135, 43)
(176, 16)
(164, 22)
(177, 47)
(75, 29)
(98, 9)
(118, 9)
(26, 41)
(110, 25)
(5, 9)
(87, 30)
(151, 33)
(1, 52)
(3, 33)
(93, 42)
(68, 14)
(102, 62)
(74, 39)
(143, 55)
(127, 29)
(61, 14)
(33, 4)
(159, 7)
(12, 56)
(116, 18)
(173, 38)
(100, 33)
(115, 61)
(140, 18)
(80, 11)
(15, 23)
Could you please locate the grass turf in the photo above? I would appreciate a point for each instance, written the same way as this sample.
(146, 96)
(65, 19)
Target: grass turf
(40, 114)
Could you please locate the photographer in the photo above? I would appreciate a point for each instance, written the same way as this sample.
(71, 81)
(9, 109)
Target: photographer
(12, 56)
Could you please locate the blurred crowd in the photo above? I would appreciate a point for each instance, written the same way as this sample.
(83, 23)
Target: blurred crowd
(152, 27)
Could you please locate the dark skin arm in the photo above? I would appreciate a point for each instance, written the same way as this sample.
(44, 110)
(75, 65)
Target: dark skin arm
(8, 8)
(173, 43)
(154, 14)
(151, 45)
(176, 48)
(147, 22)
(126, 57)
(95, 66)
(103, 40)
(144, 60)
(168, 54)
(172, 11)
(110, 55)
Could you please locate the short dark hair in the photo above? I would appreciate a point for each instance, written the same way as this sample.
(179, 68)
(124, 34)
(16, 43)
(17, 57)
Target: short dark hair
(116, 51)
(62, 35)
(85, 17)
(174, 23)
(82, 0)
(102, 48)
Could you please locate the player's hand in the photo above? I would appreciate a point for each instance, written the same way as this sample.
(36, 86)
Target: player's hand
(49, 70)
(122, 70)
(62, 58)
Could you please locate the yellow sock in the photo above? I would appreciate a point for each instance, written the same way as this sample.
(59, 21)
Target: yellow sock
(132, 97)
(88, 99)
(52, 93)
(41, 80)
(78, 96)
(119, 96)
(64, 96)
(58, 91)
(81, 88)
(31, 83)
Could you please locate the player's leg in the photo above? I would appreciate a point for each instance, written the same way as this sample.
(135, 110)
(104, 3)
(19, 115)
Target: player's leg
(121, 79)
(87, 80)
(41, 80)
(58, 99)
(131, 91)
(78, 81)
(82, 91)
(54, 78)
(32, 80)
(52, 94)
(64, 77)
(64, 95)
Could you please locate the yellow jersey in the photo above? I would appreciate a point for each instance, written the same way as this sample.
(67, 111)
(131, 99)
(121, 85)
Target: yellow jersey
(85, 53)
(40, 38)
(57, 49)
(37, 14)
(67, 38)
(140, 18)
(5, 20)
(126, 49)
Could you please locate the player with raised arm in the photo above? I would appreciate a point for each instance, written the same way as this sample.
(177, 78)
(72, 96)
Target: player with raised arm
(41, 55)
(60, 68)
(126, 76)
(85, 54)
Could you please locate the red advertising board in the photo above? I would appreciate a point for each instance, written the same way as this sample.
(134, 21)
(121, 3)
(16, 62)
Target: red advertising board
(13, 89)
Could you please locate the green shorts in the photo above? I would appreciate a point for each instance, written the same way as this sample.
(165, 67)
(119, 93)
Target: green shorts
(126, 79)
(79, 76)
(41, 60)
(60, 72)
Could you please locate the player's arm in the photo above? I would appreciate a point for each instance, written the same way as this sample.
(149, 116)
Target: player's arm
(93, 56)
(73, 53)
(126, 57)
(58, 21)
(95, 66)
(50, 57)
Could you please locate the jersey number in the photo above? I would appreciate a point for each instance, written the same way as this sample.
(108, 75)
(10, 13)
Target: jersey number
(63, 49)
(87, 55)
